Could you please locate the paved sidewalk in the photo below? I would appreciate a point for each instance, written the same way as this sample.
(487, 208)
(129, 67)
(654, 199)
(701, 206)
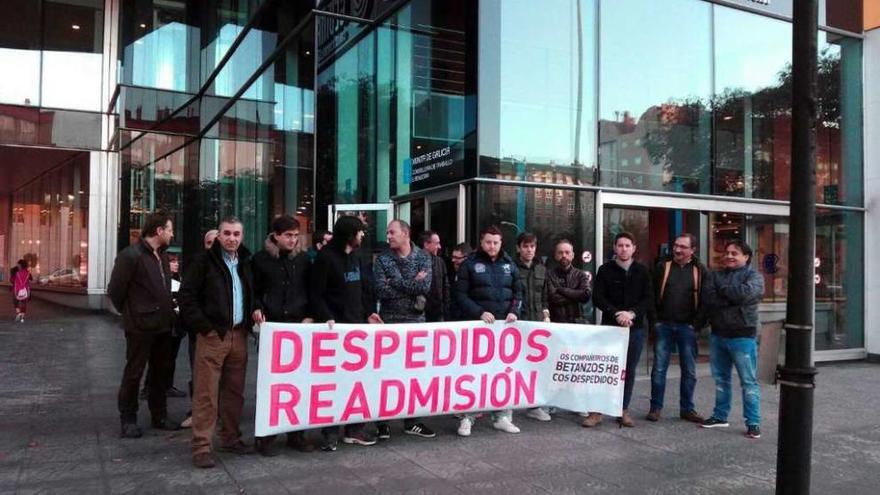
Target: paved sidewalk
(59, 433)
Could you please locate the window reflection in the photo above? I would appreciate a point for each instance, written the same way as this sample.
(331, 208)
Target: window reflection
(45, 214)
(72, 54)
(654, 127)
(20, 52)
(537, 89)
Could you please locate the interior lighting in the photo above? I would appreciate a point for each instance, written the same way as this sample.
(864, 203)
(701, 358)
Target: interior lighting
(143, 26)
(75, 27)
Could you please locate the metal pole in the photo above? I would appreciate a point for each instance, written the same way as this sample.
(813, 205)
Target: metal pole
(797, 375)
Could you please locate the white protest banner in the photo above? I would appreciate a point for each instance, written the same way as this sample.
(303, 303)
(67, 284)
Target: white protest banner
(310, 376)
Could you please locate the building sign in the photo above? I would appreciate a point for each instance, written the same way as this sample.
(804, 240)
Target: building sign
(332, 33)
(434, 168)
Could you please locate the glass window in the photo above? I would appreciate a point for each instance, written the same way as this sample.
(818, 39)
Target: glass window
(20, 52)
(655, 88)
(840, 259)
(839, 165)
(155, 44)
(538, 90)
(523, 209)
(72, 54)
(49, 213)
(752, 105)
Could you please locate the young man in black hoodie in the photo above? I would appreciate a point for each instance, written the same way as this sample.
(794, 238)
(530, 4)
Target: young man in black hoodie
(281, 278)
(340, 293)
(622, 291)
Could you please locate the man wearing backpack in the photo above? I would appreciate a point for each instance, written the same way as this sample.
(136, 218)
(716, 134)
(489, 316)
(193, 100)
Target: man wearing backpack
(677, 283)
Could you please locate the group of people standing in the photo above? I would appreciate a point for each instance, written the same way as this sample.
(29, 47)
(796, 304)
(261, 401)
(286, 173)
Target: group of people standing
(226, 291)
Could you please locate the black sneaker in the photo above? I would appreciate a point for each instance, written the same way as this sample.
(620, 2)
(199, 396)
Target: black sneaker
(165, 424)
(329, 444)
(131, 430)
(714, 422)
(384, 432)
(419, 430)
(360, 437)
(174, 392)
(753, 431)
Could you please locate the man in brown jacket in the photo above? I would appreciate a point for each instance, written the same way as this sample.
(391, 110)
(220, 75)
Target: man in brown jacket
(567, 288)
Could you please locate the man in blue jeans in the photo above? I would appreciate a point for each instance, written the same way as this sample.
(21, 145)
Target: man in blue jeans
(731, 296)
(677, 289)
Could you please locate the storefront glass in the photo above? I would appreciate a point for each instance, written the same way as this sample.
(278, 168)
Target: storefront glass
(538, 90)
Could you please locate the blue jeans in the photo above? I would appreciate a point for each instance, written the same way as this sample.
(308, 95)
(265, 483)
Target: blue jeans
(741, 352)
(633, 354)
(670, 336)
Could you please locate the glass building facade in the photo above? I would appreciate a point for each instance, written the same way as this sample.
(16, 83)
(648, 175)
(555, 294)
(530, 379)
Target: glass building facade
(574, 118)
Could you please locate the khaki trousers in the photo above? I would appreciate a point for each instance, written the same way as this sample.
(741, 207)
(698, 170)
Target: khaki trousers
(218, 375)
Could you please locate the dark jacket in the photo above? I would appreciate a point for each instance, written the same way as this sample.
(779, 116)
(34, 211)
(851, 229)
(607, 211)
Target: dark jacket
(438, 305)
(675, 302)
(731, 297)
(206, 293)
(402, 298)
(339, 286)
(565, 292)
(616, 289)
(281, 283)
(486, 285)
(532, 279)
(140, 288)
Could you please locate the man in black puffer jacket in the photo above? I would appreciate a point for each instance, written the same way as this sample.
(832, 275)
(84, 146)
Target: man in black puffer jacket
(488, 288)
(281, 278)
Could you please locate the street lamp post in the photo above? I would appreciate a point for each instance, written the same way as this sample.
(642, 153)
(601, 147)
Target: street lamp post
(797, 375)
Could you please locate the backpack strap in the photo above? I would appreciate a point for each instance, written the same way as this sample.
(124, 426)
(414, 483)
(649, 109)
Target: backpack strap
(666, 267)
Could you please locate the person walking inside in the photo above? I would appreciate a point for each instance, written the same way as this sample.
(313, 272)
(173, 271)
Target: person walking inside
(488, 289)
(404, 279)
(140, 289)
(731, 296)
(677, 284)
(622, 291)
(21, 289)
(281, 279)
(340, 294)
(216, 302)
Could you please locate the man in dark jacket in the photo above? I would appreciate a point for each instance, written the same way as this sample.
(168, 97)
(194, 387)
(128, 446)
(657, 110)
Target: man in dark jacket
(532, 274)
(567, 288)
(340, 294)
(403, 279)
(488, 288)
(622, 291)
(140, 288)
(731, 296)
(281, 278)
(677, 291)
(438, 305)
(216, 302)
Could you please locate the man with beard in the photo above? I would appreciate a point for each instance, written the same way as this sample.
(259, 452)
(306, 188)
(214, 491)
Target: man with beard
(567, 288)
(437, 306)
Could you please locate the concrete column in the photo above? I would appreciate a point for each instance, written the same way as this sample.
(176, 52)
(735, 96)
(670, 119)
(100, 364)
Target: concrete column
(871, 59)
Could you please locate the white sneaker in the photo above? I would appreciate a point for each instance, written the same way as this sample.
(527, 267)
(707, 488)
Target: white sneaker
(505, 424)
(187, 423)
(539, 413)
(464, 427)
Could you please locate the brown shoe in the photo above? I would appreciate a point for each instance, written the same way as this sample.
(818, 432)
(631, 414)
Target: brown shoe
(653, 415)
(692, 416)
(297, 440)
(626, 419)
(204, 460)
(592, 419)
(238, 447)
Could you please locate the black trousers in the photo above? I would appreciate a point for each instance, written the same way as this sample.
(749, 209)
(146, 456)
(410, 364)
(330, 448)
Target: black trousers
(142, 348)
(172, 365)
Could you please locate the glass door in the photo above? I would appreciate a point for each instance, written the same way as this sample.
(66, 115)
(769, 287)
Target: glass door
(374, 215)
